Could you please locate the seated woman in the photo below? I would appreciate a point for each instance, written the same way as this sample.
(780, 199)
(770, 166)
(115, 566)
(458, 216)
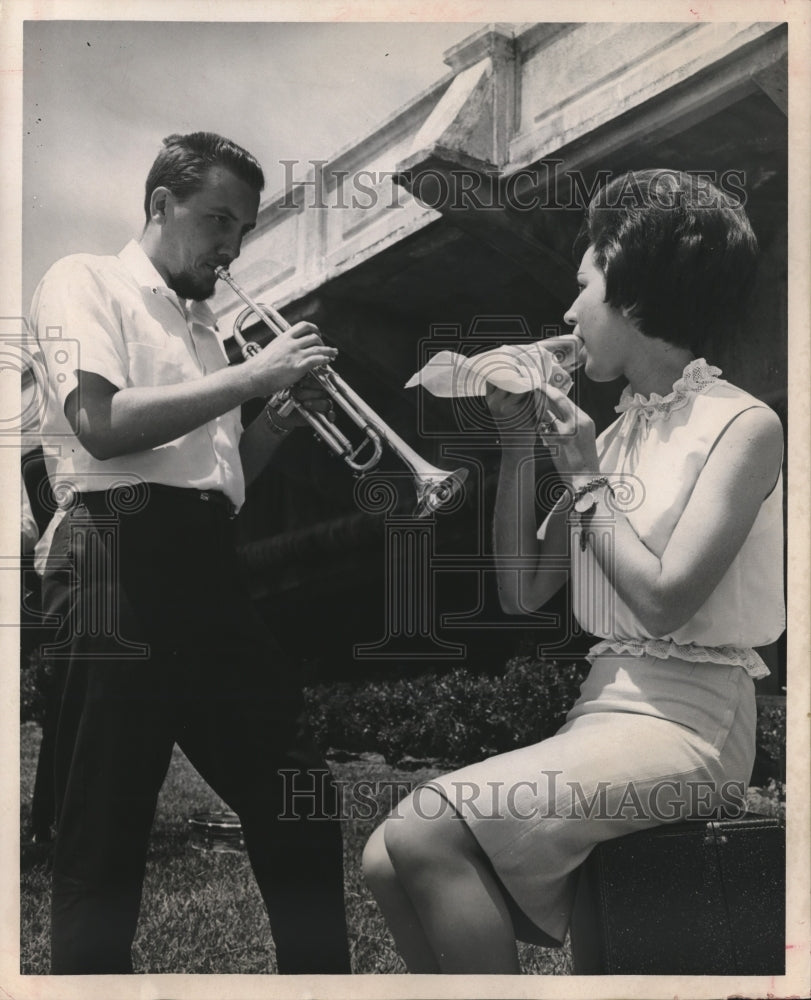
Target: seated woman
(671, 529)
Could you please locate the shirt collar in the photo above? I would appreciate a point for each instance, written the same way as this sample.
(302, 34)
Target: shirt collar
(142, 269)
(134, 258)
(696, 378)
(638, 411)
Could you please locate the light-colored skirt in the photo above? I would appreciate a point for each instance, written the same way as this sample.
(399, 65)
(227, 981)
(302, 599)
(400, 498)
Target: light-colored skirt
(649, 741)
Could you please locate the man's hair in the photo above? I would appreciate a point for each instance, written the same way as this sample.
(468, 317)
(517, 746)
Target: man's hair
(183, 163)
(677, 253)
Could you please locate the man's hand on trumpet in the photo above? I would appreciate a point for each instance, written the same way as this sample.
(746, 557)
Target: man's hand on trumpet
(310, 394)
(285, 363)
(286, 359)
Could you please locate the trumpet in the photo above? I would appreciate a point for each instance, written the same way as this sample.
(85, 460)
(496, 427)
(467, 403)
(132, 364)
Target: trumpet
(435, 487)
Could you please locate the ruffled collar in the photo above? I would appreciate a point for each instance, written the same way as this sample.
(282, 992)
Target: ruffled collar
(696, 377)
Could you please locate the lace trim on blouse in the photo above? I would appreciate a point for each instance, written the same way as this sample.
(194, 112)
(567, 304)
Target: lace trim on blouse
(663, 649)
(697, 377)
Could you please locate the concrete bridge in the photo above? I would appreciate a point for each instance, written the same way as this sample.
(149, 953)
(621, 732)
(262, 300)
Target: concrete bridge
(452, 224)
(502, 152)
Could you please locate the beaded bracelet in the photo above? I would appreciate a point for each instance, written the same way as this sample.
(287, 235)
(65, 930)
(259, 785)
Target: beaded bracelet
(590, 486)
(584, 502)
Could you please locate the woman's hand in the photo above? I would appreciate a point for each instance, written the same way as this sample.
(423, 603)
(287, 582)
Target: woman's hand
(549, 414)
(571, 430)
(515, 414)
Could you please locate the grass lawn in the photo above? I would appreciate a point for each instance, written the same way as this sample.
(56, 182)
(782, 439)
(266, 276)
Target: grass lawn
(201, 911)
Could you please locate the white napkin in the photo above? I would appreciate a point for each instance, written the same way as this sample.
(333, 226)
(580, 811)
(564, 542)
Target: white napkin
(516, 368)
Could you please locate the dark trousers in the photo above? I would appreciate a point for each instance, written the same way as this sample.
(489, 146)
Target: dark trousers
(54, 596)
(156, 573)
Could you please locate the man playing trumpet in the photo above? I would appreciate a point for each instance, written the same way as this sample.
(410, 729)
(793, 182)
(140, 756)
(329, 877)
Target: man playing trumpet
(146, 417)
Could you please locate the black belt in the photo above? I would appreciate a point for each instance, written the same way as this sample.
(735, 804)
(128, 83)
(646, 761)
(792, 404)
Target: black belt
(130, 498)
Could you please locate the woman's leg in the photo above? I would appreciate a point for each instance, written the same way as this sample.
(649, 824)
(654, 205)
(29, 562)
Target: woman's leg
(396, 907)
(441, 871)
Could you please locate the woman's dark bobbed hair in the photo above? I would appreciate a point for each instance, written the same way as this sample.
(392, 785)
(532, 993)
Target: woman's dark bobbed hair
(678, 254)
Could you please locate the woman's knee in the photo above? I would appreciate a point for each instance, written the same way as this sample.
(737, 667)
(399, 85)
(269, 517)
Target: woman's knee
(377, 867)
(424, 830)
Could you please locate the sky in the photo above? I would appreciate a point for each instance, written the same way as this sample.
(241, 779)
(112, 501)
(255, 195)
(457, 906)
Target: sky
(99, 96)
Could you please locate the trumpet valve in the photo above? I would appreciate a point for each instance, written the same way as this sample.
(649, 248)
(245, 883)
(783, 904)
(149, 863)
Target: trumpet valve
(284, 403)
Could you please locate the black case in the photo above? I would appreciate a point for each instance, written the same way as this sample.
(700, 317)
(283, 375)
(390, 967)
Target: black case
(694, 898)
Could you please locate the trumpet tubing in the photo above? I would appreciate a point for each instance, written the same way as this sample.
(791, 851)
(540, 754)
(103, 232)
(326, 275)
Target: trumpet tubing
(435, 487)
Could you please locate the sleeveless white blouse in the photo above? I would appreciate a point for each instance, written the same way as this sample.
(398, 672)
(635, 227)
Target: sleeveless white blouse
(653, 455)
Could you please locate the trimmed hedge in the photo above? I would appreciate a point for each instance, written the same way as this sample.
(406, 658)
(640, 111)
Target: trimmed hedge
(455, 716)
(771, 732)
(458, 716)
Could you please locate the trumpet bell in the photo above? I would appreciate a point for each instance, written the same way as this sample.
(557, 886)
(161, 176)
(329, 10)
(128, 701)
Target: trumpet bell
(437, 489)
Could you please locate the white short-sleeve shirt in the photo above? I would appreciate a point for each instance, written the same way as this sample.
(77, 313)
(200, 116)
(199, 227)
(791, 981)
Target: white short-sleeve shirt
(116, 317)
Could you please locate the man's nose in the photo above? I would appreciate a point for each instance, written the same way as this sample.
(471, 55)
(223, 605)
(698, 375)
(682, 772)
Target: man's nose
(569, 317)
(230, 247)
